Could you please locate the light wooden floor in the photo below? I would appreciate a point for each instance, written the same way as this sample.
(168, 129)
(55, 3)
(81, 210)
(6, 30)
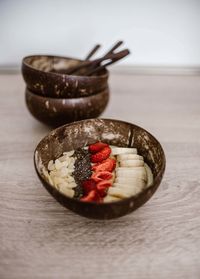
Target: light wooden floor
(41, 239)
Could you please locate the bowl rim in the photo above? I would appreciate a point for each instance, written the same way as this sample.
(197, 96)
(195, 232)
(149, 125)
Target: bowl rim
(58, 100)
(24, 63)
(156, 180)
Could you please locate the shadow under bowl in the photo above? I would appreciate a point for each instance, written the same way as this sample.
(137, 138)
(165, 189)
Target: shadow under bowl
(114, 132)
(39, 77)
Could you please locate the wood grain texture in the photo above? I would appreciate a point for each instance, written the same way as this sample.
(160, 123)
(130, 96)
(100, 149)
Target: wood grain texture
(41, 239)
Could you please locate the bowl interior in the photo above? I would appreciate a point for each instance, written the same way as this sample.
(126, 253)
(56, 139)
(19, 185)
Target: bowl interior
(48, 63)
(53, 64)
(114, 132)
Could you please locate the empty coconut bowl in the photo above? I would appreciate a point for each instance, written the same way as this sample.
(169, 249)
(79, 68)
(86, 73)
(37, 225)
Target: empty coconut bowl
(114, 132)
(42, 76)
(56, 112)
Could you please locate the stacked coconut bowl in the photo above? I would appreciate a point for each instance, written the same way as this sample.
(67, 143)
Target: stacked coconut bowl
(60, 90)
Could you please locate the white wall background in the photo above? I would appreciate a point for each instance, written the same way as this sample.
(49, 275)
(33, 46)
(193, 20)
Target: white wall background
(158, 32)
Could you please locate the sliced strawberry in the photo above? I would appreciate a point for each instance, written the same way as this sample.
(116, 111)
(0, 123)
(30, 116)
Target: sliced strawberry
(101, 155)
(88, 185)
(107, 165)
(94, 166)
(96, 147)
(92, 196)
(102, 187)
(104, 183)
(102, 175)
(102, 191)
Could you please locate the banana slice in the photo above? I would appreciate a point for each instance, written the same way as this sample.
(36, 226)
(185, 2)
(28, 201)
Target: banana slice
(130, 180)
(135, 176)
(138, 183)
(132, 163)
(118, 192)
(71, 185)
(123, 192)
(57, 180)
(109, 198)
(127, 170)
(122, 157)
(137, 172)
(149, 175)
(123, 150)
(66, 191)
(66, 185)
(131, 188)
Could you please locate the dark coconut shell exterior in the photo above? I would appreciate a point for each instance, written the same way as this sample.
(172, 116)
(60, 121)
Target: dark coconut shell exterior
(56, 112)
(36, 71)
(115, 132)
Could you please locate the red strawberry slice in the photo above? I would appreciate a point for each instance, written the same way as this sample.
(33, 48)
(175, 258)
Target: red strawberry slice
(102, 191)
(101, 155)
(102, 187)
(107, 165)
(102, 175)
(88, 185)
(96, 147)
(92, 196)
(104, 183)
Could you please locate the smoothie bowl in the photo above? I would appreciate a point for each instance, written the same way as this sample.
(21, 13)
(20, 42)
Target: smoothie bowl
(100, 168)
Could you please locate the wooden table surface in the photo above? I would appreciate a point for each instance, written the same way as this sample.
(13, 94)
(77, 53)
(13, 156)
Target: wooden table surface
(41, 239)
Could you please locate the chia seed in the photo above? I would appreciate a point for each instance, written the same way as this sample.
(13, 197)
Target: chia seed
(82, 170)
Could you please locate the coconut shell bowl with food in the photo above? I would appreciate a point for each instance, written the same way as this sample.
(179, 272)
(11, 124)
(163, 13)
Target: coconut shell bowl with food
(100, 168)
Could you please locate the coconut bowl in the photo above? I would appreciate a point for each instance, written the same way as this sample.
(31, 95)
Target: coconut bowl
(56, 112)
(44, 76)
(114, 132)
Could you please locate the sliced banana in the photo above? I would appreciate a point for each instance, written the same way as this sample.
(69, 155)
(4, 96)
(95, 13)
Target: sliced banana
(131, 163)
(136, 176)
(123, 192)
(110, 198)
(132, 173)
(149, 175)
(124, 169)
(58, 164)
(70, 179)
(57, 180)
(130, 189)
(125, 179)
(67, 185)
(139, 183)
(71, 185)
(118, 192)
(123, 150)
(122, 157)
(127, 170)
(66, 191)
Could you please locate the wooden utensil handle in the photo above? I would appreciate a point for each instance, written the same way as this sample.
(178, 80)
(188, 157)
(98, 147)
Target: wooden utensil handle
(94, 62)
(119, 43)
(92, 52)
(118, 56)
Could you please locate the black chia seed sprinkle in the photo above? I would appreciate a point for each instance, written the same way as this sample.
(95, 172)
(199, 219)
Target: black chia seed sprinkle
(82, 170)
